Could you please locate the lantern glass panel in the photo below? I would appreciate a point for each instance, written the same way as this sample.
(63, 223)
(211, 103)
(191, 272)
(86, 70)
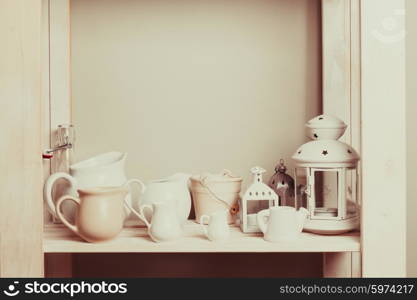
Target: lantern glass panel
(301, 187)
(286, 197)
(351, 192)
(326, 193)
(255, 206)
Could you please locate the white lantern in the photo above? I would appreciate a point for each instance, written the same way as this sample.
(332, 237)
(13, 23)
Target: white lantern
(326, 178)
(257, 197)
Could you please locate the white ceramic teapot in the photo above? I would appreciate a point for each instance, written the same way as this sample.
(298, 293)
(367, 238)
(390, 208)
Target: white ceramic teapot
(281, 223)
(173, 189)
(103, 170)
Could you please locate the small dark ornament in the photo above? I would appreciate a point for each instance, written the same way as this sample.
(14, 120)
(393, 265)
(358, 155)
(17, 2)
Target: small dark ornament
(282, 184)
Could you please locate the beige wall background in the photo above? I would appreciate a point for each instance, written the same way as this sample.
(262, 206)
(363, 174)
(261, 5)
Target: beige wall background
(411, 40)
(194, 86)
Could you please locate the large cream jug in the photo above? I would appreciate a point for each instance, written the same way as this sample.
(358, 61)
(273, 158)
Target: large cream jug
(103, 170)
(100, 213)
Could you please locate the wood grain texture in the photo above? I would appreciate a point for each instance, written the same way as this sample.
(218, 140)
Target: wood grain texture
(57, 105)
(198, 265)
(356, 265)
(59, 265)
(411, 49)
(342, 265)
(59, 239)
(45, 92)
(341, 90)
(383, 139)
(59, 82)
(21, 165)
(337, 265)
(336, 59)
(60, 63)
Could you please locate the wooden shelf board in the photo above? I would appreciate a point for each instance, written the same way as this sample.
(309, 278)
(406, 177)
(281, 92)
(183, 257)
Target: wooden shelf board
(59, 239)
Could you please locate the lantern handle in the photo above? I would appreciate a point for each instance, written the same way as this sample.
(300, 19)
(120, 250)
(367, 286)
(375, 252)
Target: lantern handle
(257, 170)
(281, 168)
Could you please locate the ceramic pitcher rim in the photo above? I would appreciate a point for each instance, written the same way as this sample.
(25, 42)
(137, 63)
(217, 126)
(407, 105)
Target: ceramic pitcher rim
(100, 160)
(103, 190)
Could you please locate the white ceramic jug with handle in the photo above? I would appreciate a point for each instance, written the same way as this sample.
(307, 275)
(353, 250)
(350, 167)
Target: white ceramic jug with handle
(174, 190)
(281, 223)
(164, 225)
(218, 227)
(103, 170)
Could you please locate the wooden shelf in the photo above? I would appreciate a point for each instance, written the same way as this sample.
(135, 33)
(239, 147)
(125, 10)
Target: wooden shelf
(58, 239)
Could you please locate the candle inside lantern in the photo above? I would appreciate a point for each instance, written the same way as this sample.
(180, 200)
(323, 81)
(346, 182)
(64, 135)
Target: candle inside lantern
(325, 212)
(252, 220)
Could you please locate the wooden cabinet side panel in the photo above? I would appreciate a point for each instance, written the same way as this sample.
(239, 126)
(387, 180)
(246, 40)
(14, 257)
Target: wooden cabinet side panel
(383, 139)
(21, 204)
(59, 106)
(341, 94)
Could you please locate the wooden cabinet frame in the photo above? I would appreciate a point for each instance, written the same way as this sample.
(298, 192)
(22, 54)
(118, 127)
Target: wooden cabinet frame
(363, 83)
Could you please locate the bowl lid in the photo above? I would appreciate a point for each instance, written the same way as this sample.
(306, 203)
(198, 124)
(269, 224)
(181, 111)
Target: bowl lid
(326, 121)
(326, 153)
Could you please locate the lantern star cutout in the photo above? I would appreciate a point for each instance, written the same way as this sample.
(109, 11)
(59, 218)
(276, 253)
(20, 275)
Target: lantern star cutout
(325, 152)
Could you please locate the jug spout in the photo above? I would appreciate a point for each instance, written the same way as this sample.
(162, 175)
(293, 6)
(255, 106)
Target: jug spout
(302, 214)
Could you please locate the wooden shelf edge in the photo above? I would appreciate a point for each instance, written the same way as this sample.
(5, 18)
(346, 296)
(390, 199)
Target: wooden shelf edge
(58, 239)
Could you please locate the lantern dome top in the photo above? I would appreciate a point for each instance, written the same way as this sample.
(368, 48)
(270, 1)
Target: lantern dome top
(326, 154)
(326, 121)
(325, 150)
(325, 127)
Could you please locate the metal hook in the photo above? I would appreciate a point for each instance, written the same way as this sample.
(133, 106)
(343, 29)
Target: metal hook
(65, 140)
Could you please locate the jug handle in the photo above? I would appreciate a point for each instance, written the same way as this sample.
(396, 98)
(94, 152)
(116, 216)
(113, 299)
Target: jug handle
(62, 217)
(142, 212)
(202, 223)
(260, 217)
(49, 184)
(138, 182)
(138, 214)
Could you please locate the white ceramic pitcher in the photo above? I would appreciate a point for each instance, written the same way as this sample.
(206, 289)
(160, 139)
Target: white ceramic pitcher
(281, 223)
(103, 170)
(218, 227)
(173, 189)
(164, 225)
